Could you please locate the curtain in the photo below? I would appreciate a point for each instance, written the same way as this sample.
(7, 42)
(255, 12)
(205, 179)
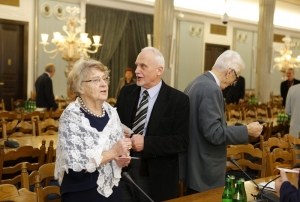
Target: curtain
(110, 24)
(142, 25)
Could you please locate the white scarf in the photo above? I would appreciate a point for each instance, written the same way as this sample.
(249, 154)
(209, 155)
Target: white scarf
(79, 146)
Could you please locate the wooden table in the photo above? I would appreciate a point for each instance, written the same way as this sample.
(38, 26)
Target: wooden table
(215, 195)
(34, 141)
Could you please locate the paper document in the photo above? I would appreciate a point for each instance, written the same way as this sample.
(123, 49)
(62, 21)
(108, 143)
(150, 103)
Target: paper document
(125, 128)
(270, 186)
(288, 170)
(129, 157)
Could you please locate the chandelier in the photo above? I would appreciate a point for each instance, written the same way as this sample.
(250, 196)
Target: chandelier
(285, 60)
(75, 43)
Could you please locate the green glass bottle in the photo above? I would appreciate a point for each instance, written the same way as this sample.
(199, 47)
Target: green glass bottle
(238, 195)
(227, 193)
(243, 189)
(232, 183)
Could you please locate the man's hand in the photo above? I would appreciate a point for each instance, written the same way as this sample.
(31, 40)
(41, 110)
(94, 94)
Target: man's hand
(254, 129)
(137, 142)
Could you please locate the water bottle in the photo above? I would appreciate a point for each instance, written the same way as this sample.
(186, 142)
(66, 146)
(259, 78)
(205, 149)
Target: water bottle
(227, 193)
(238, 195)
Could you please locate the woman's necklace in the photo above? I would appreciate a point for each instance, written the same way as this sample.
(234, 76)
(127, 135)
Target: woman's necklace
(89, 111)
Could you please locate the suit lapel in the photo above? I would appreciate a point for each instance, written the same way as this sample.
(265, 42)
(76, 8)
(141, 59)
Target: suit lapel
(131, 103)
(159, 109)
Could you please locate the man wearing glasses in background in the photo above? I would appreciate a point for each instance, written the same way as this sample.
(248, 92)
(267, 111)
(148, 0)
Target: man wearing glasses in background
(203, 167)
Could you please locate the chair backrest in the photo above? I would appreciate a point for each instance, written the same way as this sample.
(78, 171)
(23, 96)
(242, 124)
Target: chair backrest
(274, 142)
(233, 112)
(46, 171)
(51, 153)
(249, 112)
(13, 158)
(247, 151)
(47, 124)
(294, 143)
(33, 95)
(278, 158)
(9, 192)
(262, 111)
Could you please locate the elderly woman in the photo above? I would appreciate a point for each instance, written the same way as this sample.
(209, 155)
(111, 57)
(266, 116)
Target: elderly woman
(91, 147)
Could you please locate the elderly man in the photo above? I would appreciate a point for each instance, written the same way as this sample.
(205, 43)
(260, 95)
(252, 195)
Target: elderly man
(44, 89)
(285, 85)
(205, 162)
(159, 116)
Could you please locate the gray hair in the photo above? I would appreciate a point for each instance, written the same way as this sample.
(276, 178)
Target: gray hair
(159, 58)
(81, 70)
(229, 60)
(50, 67)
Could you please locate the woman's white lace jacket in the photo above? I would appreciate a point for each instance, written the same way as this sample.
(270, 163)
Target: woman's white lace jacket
(79, 146)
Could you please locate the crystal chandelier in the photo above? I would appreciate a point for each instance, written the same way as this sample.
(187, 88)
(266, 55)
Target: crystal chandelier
(71, 45)
(285, 60)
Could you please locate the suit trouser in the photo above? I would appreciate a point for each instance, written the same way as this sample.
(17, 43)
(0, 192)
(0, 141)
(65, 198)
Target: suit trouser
(130, 192)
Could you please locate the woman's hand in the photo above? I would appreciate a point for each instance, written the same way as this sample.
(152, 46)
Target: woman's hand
(280, 180)
(123, 162)
(122, 147)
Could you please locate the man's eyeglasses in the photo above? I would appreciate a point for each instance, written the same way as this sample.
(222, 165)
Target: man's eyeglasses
(97, 81)
(236, 76)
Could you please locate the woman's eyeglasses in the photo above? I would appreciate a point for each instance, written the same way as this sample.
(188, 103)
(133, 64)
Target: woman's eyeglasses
(97, 81)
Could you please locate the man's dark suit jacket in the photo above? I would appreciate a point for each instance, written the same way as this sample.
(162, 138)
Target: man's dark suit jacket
(44, 92)
(166, 136)
(233, 93)
(284, 88)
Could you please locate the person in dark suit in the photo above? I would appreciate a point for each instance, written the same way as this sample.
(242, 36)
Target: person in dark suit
(165, 133)
(285, 85)
(204, 166)
(234, 94)
(91, 147)
(44, 89)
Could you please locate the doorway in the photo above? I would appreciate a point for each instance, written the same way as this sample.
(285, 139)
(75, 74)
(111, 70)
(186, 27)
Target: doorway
(13, 60)
(212, 52)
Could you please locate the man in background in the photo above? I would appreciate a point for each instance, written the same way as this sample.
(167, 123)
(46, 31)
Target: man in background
(44, 89)
(234, 94)
(160, 137)
(204, 166)
(292, 108)
(285, 85)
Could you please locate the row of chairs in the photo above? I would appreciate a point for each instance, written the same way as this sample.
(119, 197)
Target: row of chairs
(273, 153)
(42, 187)
(253, 111)
(11, 161)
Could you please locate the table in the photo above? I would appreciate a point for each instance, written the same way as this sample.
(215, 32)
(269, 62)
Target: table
(215, 195)
(34, 141)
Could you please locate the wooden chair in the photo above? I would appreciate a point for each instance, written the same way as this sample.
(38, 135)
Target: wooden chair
(262, 111)
(9, 192)
(252, 158)
(294, 143)
(2, 105)
(275, 142)
(55, 114)
(51, 153)
(233, 112)
(278, 158)
(17, 105)
(47, 124)
(10, 162)
(249, 112)
(45, 173)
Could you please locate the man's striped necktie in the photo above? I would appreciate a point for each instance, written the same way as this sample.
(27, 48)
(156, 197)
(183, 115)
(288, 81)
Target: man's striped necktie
(140, 116)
